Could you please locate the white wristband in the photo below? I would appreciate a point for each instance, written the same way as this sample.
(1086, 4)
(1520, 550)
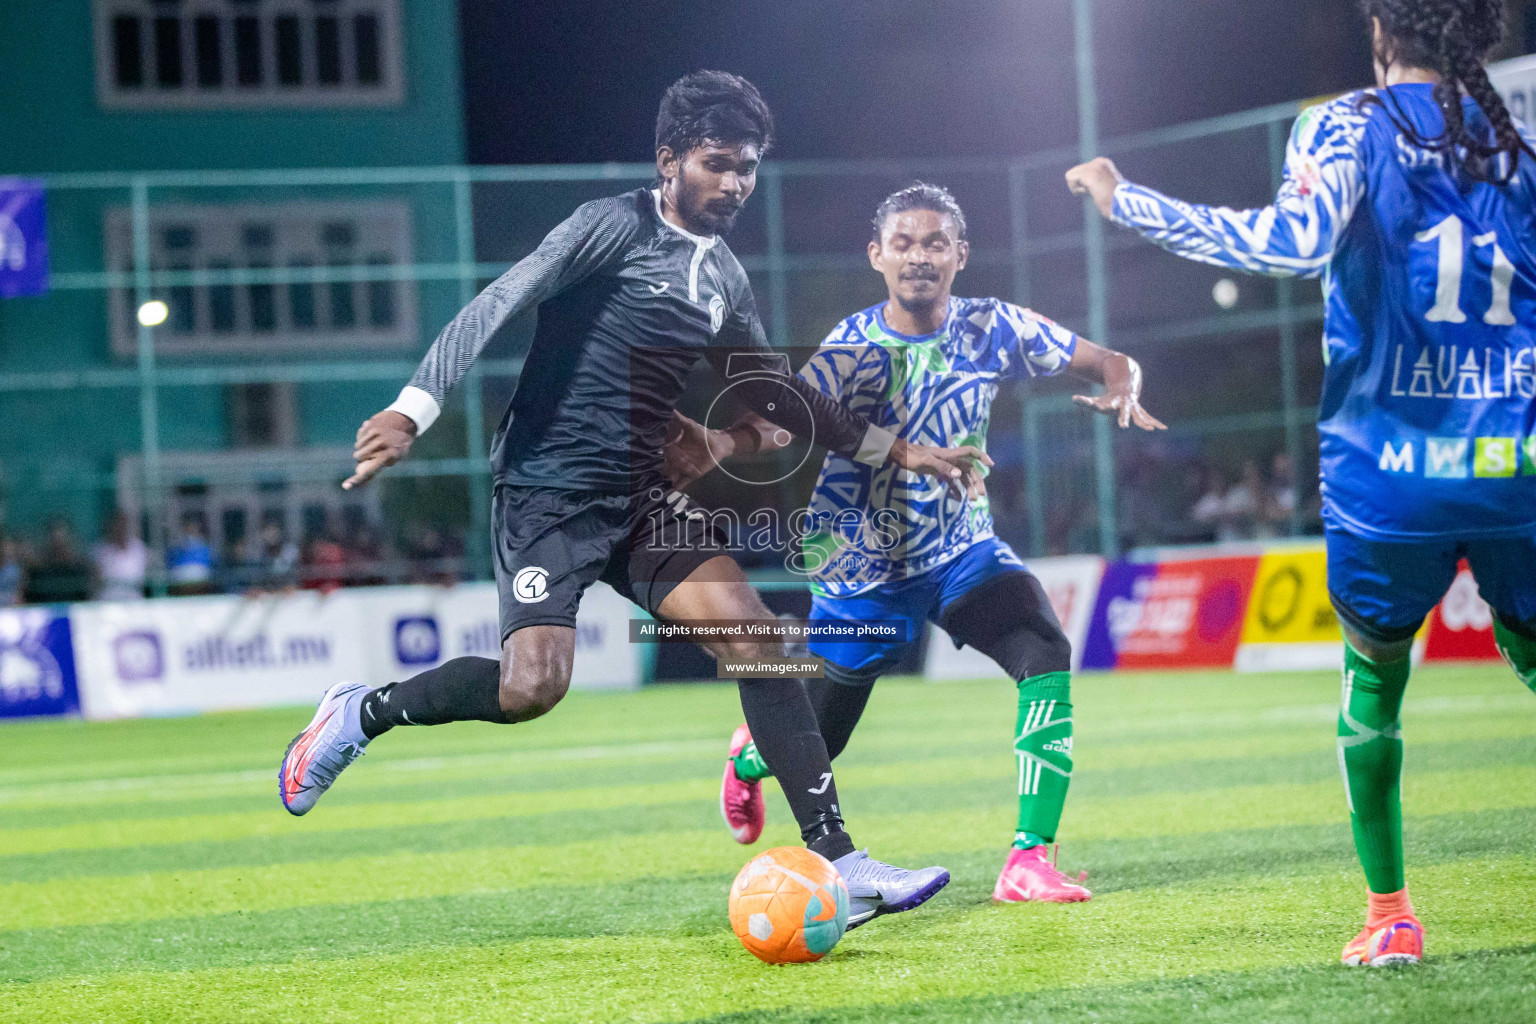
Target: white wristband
(417, 406)
(876, 446)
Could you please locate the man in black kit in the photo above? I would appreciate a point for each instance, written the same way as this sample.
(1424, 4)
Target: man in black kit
(631, 291)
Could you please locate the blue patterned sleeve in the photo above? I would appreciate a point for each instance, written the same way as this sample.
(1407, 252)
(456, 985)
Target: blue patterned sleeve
(1295, 236)
(1032, 345)
(843, 366)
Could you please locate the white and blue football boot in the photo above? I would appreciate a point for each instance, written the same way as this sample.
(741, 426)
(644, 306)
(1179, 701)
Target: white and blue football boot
(876, 888)
(332, 740)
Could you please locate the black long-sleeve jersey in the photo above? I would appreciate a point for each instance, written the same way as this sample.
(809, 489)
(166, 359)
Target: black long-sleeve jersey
(627, 304)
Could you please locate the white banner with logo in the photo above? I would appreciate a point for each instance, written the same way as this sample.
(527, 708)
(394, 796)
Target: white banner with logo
(184, 655)
(212, 653)
(411, 629)
(1072, 584)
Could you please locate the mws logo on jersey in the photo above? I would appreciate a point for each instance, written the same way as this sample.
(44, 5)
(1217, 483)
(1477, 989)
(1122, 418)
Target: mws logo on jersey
(1457, 458)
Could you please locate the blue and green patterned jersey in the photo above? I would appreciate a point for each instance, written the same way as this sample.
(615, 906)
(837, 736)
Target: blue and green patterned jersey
(1427, 420)
(883, 523)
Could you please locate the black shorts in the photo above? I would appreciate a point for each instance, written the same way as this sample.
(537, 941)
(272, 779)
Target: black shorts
(551, 545)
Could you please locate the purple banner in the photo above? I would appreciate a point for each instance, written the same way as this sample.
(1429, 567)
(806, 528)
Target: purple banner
(37, 663)
(1116, 589)
(23, 238)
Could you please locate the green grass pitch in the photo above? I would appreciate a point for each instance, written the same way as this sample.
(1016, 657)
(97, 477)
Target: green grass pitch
(575, 869)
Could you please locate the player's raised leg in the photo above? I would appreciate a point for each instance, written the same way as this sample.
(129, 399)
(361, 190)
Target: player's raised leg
(544, 538)
(351, 715)
(783, 726)
(1008, 617)
(332, 740)
(530, 679)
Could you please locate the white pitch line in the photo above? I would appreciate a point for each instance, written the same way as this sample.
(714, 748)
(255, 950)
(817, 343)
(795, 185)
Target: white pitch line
(212, 781)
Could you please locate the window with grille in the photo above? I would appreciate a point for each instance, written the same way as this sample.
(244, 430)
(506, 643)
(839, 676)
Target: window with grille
(270, 278)
(248, 53)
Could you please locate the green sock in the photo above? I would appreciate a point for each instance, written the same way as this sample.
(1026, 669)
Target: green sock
(1518, 651)
(1371, 758)
(1044, 751)
(1028, 840)
(749, 765)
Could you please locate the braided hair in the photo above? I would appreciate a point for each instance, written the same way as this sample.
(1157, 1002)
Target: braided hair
(1452, 37)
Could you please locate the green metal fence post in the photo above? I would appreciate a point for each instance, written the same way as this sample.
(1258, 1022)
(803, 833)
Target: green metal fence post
(1018, 217)
(1018, 221)
(1034, 494)
(149, 399)
(1097, 269)
(474, 412)
(1285, 298)
(778, 274)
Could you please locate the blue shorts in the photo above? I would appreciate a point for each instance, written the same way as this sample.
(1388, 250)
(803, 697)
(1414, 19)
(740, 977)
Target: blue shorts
(916, 601)
(1384, 589)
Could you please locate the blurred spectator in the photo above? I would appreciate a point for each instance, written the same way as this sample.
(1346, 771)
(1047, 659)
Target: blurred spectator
(1084, 535)
(1242, 506)
(12, 570)
(61, 574)
(241, 567)
(367, 557)
(122, 561)
(432, 556)
(325, 564)
(1281, 496)
(278, 558)
(189, 562)
(1186, 486)
(1142, 508)
(1206, 515)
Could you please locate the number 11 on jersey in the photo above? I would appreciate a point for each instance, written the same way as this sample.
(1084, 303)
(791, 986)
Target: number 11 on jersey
(1447, 308)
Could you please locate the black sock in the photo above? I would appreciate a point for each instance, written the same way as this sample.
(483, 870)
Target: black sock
(461, 690)
(784, 727)
(838, 708)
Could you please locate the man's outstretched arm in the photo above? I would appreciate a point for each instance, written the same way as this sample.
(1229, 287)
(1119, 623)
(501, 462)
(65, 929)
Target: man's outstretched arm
(1121, 377)
(1295, 236)
(569, 253)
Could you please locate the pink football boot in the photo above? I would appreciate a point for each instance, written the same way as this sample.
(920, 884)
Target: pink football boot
(1399, 941)
(741, 802)
(1030, 877)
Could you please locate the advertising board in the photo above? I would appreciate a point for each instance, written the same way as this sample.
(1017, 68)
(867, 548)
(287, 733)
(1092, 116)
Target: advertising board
(214, 653)
(1290, 624)
(1179, 614)
(1071, 582)
(1461, 626)
(37, 663)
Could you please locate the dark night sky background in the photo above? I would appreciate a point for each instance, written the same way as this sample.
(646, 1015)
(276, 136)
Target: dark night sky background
(560, 81)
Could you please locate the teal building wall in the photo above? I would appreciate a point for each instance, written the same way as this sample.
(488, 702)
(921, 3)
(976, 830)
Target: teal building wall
(51, 123)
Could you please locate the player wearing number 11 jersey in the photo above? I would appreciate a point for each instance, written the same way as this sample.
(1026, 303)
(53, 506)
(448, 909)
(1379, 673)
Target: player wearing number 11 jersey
(1416, 202)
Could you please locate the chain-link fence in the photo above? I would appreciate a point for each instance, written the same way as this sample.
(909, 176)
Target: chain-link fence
(297, 302)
